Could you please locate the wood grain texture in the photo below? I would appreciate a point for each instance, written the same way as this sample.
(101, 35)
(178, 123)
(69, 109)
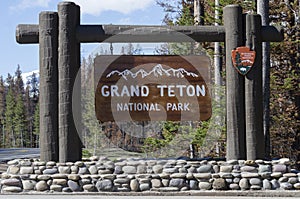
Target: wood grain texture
(235, 106)
(68, 65)
(48, 100)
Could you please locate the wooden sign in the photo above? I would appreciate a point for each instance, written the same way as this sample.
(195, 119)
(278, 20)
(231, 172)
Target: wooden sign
(152, 88)
(243, 59)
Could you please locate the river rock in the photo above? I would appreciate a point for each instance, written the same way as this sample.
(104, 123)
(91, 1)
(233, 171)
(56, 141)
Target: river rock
(141, 169)
(202, 175)
(286, 186)
(129, 169)
(279, 168)
(289, 175)
(74, 169)
(50, 171)
(297, 186)
(74, 186)
(12, 189)
(267, 184)
(13, 169)
(264, 168)
(194, 185)
(255, 187)
(156, 183)
(134, 185)
(11, 182)
(165, 182)
(249, 169)
(64, 170)
(56, 187)
(118, 170)
(89, 188)
(226, 169)
(249, 175)
(285, 161)
(74, 177)
(93, 170)
(157, 169)
(41, 186)
(255, 181)
(204, 186)
(177, 182)
(293, 180)
(275, 184)
(104, 185)
(28, 184)
(234, 186)
(122, 180)
(178, 175)
(62, 182)
(170, 170)
(83, 170)
(219, 184)
(66, 189)
(204, 169)
(144, 187)
(265, 175)
(43, 177)
(26, 170)
(276, 175)
(226, 175)
(244, 184)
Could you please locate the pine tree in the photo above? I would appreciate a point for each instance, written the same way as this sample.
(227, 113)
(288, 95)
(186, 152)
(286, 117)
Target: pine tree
(19, 84)
(36, 125)
(20, 122)
(2, 109)
(9, 124)
(34, 89)
(20, 135)
(34, 98)
(29, 112)
(92, 126)
(10, 81)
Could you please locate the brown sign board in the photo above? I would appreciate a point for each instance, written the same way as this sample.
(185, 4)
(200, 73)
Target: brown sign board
(243, 59)
(152, 88)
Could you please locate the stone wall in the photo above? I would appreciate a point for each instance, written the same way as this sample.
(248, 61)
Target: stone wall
(132, 175)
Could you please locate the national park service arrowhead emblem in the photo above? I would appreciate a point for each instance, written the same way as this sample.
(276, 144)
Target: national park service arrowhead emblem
(243, 59)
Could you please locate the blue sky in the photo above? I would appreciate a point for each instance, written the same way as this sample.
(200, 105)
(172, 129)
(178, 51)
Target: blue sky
(14, 12)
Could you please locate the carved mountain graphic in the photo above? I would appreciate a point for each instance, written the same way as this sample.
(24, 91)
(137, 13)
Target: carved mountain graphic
(157, 71)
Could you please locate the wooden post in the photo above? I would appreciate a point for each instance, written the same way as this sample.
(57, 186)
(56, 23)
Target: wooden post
(253, 92)
(263, 10)
(234, 85)
(68, 65)
(48, 101)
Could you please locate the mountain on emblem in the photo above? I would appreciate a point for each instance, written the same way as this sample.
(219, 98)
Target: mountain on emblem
(243, 59)
(157, 70)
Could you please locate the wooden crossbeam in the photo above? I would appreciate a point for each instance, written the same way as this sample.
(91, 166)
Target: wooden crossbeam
(29, 34)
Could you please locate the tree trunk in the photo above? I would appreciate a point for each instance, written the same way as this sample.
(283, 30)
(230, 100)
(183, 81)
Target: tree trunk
(217, 53)
(217, 76)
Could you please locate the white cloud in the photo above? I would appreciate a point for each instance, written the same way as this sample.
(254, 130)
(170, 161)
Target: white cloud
(24, 4)
(95, 7)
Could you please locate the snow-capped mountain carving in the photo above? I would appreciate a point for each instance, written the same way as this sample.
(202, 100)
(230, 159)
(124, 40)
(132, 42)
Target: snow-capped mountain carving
(157, 71)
